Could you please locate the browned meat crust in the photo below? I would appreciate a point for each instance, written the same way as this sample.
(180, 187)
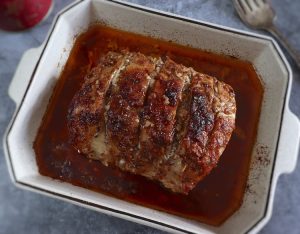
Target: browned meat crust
(85, 118)
(159, 117)
(153, 118)
(124, 108)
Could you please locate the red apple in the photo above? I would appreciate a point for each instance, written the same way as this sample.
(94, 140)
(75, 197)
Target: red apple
(17, 15)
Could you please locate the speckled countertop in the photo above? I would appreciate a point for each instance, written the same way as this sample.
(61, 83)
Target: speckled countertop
(26, 212)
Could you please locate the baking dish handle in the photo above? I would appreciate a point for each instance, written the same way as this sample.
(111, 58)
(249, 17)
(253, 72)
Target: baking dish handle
(23, 74)
(288, 147)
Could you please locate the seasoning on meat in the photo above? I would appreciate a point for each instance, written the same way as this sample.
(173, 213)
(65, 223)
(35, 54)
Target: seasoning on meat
(152, 117)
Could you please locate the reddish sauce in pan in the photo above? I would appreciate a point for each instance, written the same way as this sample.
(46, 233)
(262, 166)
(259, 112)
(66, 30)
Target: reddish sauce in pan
(217, 196)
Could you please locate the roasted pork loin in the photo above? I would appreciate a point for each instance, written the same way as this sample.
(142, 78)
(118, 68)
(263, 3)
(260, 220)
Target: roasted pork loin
(152, 117)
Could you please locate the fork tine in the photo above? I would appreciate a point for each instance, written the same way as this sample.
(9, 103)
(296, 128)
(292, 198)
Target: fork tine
(252, 4)
(238, 8)
(244, 6)
(260, 2)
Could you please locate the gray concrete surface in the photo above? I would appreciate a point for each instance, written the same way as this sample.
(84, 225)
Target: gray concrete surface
(26, 212)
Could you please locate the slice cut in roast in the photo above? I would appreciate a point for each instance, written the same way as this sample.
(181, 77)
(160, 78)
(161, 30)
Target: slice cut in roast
(152, 117)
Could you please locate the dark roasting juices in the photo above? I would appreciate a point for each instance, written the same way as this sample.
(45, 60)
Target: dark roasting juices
(217, 196)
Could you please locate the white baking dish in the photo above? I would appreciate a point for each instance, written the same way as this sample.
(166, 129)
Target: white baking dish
(278, 130)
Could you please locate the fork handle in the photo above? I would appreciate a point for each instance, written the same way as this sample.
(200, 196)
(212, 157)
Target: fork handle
(285, 43)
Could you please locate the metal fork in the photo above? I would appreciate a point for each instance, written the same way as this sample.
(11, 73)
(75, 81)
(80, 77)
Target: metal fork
(259, 14)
